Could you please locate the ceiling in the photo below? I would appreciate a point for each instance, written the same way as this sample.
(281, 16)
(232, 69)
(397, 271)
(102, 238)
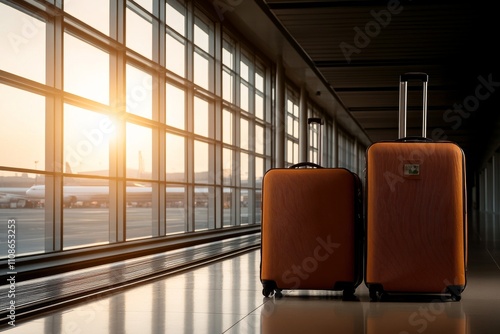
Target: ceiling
(361, 47)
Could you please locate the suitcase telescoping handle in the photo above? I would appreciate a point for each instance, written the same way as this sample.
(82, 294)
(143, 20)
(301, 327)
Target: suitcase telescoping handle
(403, 103)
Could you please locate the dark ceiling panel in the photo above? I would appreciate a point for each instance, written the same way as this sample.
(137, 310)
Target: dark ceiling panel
(361, 48)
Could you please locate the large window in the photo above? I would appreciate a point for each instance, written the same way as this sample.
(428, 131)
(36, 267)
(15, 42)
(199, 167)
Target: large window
(245, 133)
(113, 131)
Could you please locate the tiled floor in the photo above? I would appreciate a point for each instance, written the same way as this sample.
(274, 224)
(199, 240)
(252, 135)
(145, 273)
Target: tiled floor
(226, 297)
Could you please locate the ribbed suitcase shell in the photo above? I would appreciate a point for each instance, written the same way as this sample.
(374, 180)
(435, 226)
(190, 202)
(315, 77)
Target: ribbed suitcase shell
(310, 229)
(416, 218)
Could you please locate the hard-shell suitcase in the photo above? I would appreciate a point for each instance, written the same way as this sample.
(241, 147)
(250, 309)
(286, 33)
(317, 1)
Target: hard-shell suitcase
(311, 229)
(311, 225)
(416, 228)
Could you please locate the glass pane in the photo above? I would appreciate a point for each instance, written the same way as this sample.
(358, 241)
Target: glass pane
(295, 110)
(290, 153)
(244, 169)
(244, 139)
(139, 92)
(201, 36)
(201, 117)
(139, 211)
(22, 133)
(139, 151)
(227, 55)
(244, 201)
(146, 4)
(201, 71)
(259, 139)
(22, 211)
(227, 166)
(139, 34)
(86, 141)
(227, 86)
(23, 44)
(289, 106)
(244, 96)
(86, 70)
(227, 127)
(86, 213)
(259, 82)
(259, 171)
(175, 106)
(244, 71)
(204, 208)
(258, 208)
(295, 153)
(176, 16)
(289, 124)
(228, 205)
(259, 106)
(201, 162)
(175, 156)
(175, 59)
(176, 209)
(95, 13)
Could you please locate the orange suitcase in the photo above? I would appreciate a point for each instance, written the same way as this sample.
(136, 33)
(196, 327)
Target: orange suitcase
(311, 230)
(416, 229)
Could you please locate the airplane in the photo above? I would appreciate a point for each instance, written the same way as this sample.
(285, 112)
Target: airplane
(89, 195)
(138, 195)
(13, 196)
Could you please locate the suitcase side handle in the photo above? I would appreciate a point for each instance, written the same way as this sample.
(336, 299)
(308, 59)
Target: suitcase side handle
(305, 164)
(403, 103)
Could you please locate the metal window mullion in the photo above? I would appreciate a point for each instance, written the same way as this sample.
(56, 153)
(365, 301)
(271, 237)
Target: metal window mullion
(216, 127)
(159, 137)
(237, 167)
(191, 222)
(117, 172)
(54, 136)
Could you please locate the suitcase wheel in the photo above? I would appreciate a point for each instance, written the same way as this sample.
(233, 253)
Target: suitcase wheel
(376, 292)
(349, 294)
(455, 292)
(269, 288)
(272, 292)
(373, 295)
(267, 292)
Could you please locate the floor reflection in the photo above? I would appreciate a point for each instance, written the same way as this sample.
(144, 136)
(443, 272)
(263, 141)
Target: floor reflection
(329, 314)
(299, 314)
(433, 317)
